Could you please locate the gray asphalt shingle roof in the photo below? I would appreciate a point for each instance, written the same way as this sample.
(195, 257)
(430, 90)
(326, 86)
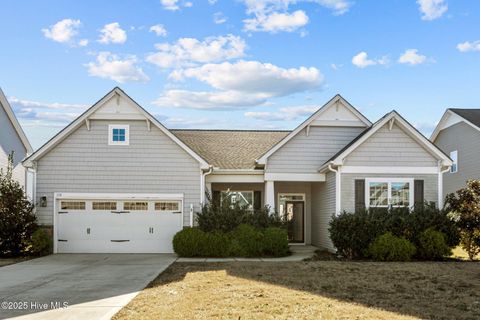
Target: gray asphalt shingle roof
(472, 115)
(230, 149)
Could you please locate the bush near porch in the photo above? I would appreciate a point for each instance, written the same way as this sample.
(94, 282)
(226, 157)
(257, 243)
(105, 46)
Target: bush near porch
(429, 230)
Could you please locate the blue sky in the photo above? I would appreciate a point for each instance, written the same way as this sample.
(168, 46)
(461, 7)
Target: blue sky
(243, 64)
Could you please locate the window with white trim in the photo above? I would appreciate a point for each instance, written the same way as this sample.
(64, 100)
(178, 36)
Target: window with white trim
(72, 205)
(118, 134)
(135, 205)
(242, 198)
(454, 157)
(386, 192)
(167, 206)
(104, 205)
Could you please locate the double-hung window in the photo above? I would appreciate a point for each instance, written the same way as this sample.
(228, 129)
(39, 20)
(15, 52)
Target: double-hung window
(454, 157)
(118, 134)
(386, 192)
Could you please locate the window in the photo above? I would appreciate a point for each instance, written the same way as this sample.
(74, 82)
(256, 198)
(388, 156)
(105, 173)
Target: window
(96, 205)
(135, 206)
(283, 198)
(118, 134)
(167, 206)
(242, 198)
(72, 205)
(454, 157)
(384, 192)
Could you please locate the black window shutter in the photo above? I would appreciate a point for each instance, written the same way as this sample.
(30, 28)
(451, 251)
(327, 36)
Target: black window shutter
(418, 196)
(257, 200)
(216, 197)
(359, 194)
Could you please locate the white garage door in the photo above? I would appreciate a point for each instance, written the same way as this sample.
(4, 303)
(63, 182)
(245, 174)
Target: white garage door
(117, 224)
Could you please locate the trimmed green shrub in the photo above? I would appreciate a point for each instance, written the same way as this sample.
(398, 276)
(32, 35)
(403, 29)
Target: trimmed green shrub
(432, 245)
(41, 243)
(190, 242)
(217, 244)
(275, 242)
(388, 247)
(246, 241)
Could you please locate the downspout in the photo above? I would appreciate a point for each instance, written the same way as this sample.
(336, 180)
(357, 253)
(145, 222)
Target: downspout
(440, 183)
(337, 188)
(202, 190)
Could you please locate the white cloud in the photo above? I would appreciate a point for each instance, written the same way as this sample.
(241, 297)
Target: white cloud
(219, 18)
(284, 114)
(187, 51)
(110, 66)
(15, 102)
(171, 5)
(240, 84)
(275, 22)
(361, 60)
(112, 33)
(412, 57)
(63, 31)
(159, 30)
(212, 2)
(274, 16)
(432, 9)
(83, 43)
(469, 46)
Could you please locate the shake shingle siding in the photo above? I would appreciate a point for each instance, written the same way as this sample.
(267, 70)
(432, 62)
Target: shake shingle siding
(305, 154)
(84, 162)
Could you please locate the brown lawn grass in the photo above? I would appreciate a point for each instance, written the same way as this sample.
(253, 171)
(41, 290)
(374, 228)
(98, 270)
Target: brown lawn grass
(311, 290)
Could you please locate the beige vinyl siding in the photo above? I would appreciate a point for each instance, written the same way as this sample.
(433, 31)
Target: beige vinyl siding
(390, 148)
(466, 140)
(323, 208)
(84, 162)
(305, 154)
(348, 186)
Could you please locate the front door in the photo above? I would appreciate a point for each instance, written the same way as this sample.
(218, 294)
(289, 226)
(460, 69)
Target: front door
(295, 219)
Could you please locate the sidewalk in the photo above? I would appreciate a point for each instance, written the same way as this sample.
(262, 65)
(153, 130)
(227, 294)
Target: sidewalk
(299, 253)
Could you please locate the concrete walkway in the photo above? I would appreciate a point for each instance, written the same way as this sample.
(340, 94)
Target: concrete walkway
(299, 253)
(93, 286)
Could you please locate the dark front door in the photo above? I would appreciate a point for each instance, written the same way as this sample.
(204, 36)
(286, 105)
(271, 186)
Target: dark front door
(296, 223)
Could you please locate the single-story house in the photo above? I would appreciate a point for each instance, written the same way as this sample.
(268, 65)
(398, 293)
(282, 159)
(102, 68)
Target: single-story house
(117, 180)
(13, 140)
(458, 135)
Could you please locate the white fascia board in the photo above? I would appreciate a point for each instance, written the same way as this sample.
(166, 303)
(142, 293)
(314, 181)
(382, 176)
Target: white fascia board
(335, 99)
(237, 171)
(307, 177)
(234, 178)
(117, 196)
(392, 170)
(443, 123)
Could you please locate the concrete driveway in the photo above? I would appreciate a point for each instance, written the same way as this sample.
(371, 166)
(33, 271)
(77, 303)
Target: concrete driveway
(93, 286)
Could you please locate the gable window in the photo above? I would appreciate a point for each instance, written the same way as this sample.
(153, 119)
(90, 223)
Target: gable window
(454, 157)
(385, 192)
(118, 134)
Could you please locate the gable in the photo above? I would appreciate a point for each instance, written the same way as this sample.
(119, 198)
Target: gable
(338, 114)
(9, 120)
(451, 118)
(391, 146)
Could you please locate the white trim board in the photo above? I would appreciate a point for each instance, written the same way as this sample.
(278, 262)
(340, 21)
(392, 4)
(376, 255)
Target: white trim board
(391, 170)
(314, 177)
(336, 99)
(234, 178)
(116, 196)
(118, 93)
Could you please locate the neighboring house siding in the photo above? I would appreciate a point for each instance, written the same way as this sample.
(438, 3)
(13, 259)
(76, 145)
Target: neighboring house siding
(84, 162)
(390, 148)
(323, 208)
(10, 141)
(466, 140)
(348, 186)
(305, 154)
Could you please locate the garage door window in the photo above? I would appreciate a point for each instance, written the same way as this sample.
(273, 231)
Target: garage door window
(101, 205)
(135, 206)
(72, 205)
(167, 206)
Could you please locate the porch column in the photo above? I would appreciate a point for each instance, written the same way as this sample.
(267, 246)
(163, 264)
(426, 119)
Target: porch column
(270, 195)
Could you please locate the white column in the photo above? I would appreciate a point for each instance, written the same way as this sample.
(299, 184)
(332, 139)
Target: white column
(440, 188)
(270, 195)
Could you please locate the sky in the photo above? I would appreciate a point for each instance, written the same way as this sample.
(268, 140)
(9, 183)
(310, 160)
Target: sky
(240, 64)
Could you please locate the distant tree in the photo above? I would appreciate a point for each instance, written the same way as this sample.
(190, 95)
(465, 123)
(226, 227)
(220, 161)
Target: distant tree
(17, 219)
(465, 211)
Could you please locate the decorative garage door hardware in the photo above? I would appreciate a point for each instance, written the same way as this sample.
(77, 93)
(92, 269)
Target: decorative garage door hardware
(120, 211)
(62, 240)
(120, 240)
(62, 212)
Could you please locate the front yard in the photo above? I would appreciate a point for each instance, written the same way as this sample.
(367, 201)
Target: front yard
(311, 290)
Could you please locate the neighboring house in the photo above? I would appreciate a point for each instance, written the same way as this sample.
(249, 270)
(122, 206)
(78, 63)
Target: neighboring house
(13, 139)
(116, 180)
(458, 135)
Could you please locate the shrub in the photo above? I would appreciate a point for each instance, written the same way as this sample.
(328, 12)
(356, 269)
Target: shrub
(190, 242)
(41, 243)
(217, 244)
(17, 220)
(432, 245)
(388, 247)
(246, 241)
(275, 242)
(465, 211)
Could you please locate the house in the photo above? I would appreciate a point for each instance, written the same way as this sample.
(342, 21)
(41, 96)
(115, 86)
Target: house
(458, 135)
(117, 180)
(13, 139)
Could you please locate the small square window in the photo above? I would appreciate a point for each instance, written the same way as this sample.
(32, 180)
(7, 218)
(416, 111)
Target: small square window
(118, 135)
